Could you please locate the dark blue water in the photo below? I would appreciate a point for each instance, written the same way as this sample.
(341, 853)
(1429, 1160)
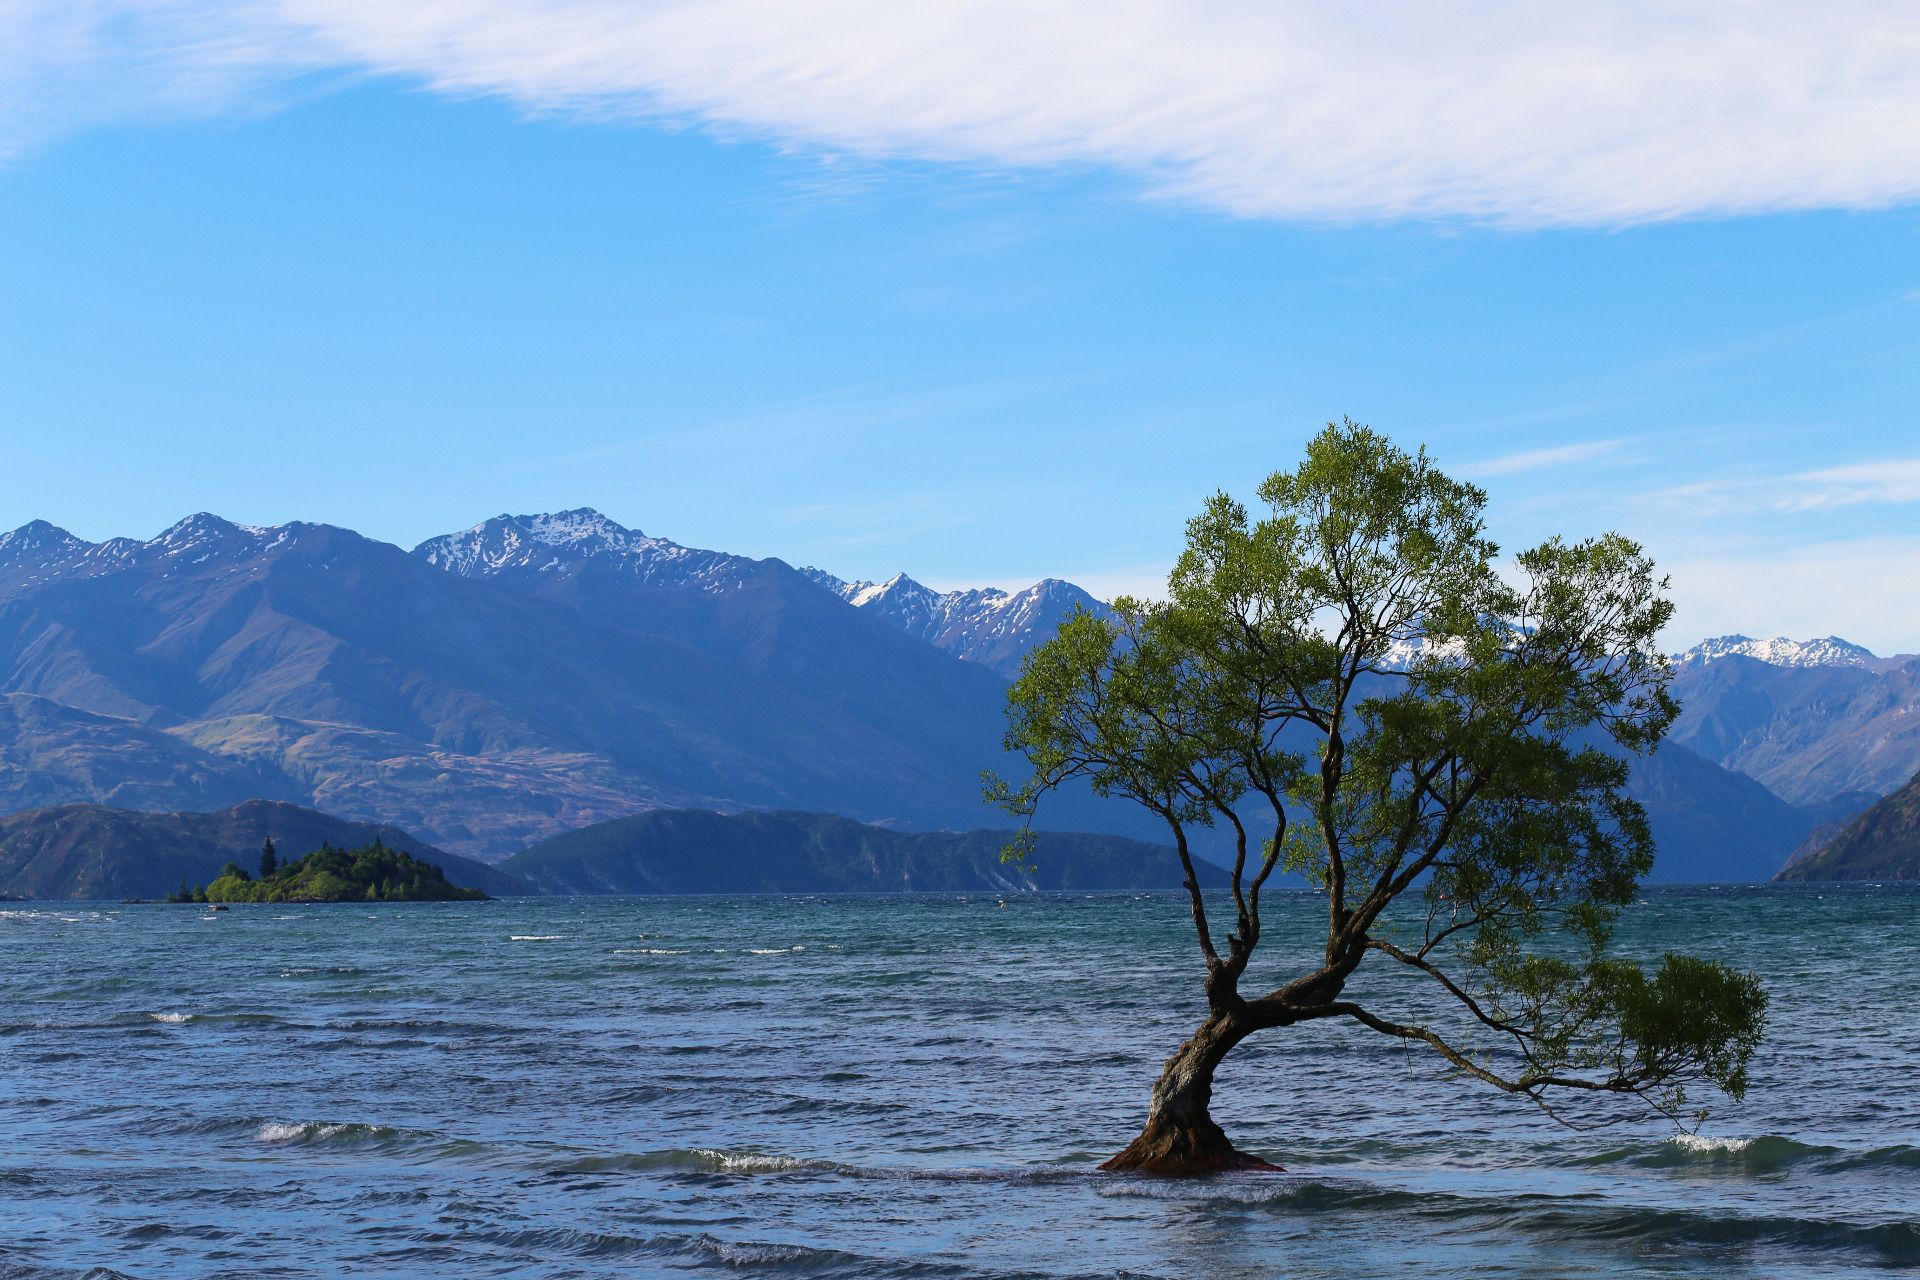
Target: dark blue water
(879, 1087)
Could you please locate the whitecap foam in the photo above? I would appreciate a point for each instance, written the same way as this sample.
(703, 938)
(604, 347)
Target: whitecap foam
(536, 937)
(772, 951)
(1700, 1142)
(648, 951)
(280, 1131)
(747, 1162)
(170, 1017)
(9, 911)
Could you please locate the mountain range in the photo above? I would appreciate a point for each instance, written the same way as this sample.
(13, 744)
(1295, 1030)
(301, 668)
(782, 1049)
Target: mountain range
(537, 674)
(491, 688)
(1824, 725)
(986, 625)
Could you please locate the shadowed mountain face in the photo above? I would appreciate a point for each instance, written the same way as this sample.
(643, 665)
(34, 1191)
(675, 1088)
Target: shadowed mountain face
(90, 851)
(1711, 825)
(528, 676)
(671, 851)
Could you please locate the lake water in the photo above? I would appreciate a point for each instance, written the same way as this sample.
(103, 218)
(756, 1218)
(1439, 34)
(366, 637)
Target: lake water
(880, 1087)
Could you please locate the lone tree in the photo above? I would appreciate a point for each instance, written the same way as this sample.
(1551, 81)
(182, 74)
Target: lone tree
(1347, 688)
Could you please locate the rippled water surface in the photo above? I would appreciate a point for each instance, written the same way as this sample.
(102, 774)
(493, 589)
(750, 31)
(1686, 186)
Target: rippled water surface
(879, 1087)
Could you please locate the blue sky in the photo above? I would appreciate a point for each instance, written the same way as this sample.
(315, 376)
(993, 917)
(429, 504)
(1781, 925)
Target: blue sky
(402, 278)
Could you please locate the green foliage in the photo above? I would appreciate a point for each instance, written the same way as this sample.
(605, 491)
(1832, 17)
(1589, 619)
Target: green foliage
(1351, 687)
(373, 873)
(269, 859)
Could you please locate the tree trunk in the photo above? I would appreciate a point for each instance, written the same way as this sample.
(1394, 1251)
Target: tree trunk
(1180, 1139)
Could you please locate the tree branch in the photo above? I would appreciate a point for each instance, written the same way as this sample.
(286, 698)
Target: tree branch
(1193, 893)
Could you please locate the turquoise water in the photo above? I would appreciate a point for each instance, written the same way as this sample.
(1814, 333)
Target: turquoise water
(879, 1087)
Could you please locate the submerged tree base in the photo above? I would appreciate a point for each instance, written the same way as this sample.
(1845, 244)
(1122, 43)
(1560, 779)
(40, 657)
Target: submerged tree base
(1185, 1151)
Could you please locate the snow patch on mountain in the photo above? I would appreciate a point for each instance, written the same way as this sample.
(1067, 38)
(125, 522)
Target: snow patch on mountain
(566, 542)
(1405, 652)
(38, 552)
(205, 537)
(985, 624)
(1831, 651)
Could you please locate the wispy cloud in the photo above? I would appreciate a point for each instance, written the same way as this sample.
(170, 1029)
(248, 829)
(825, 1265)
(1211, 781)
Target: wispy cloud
(1503, 111)
(1888, 481)
(1892, 481)
(1565, 455)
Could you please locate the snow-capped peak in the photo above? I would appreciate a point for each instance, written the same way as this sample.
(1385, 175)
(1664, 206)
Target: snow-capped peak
(561, 543)
(204, 537)
(582, 525)
(39, 552)
(982, 624)
(1831, 651)
(548, 538)
(38, 536)
(202, 527)
(897, 592)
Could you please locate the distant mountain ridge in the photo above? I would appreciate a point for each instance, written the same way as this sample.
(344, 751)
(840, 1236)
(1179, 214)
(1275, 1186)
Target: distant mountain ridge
(985, 625)
(1830, 651)
(526, 676)
(566, 542)
(1813, 732)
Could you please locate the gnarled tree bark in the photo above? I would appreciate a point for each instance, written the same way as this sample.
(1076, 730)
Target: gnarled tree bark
(1180, 1138)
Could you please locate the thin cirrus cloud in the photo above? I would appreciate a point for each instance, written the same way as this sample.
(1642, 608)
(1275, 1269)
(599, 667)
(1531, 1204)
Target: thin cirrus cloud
(1498, 112)
(1528, 460)
(1886, 482)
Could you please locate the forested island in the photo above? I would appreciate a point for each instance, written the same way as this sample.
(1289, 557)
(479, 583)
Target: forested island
(371, 873)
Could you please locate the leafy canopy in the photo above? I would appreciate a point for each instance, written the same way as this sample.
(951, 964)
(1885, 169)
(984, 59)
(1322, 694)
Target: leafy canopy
(1348, 687)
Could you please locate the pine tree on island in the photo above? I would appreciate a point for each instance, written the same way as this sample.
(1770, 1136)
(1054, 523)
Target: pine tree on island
(1348, 689)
